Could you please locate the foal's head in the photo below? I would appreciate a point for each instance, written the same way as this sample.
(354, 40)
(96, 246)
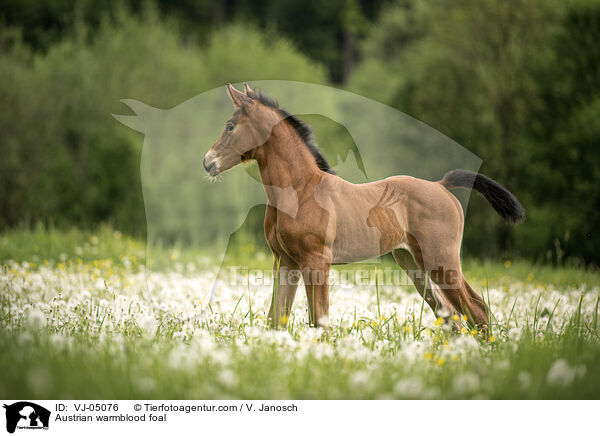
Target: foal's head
(248, 128)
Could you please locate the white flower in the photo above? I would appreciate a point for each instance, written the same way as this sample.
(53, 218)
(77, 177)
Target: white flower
(409, 388)
(203, 342)
(59, 341)
(466, 383)
(515, 334)
(36, 319)
(228, 378)
(181, 357)
(148, 324)
(220, 357)
(359, 379)
(561, 374)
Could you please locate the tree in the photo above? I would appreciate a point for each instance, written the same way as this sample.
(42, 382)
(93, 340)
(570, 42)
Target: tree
(468, 69)
(565, 136)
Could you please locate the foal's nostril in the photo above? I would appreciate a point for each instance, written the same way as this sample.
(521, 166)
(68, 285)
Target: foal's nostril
(206, 167)
(209, 167)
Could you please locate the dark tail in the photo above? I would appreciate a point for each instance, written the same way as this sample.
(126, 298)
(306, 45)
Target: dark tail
(501, 199)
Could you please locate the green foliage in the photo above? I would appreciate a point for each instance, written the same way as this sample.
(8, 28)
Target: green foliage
(514, 82)
(327, 32)
(65, 159)
(503, 80)
(565, 135)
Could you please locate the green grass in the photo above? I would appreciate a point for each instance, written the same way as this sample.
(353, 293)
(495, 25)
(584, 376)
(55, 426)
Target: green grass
(138, 368)
(505, 273)
(77, 321)
(53, 245)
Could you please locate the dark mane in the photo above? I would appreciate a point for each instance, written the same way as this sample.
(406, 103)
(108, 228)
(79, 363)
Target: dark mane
(303, 129)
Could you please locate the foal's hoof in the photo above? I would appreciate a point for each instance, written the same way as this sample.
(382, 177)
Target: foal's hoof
(323, 322)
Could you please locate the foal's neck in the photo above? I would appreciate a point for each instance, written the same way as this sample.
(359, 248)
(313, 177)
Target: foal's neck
(285, 162)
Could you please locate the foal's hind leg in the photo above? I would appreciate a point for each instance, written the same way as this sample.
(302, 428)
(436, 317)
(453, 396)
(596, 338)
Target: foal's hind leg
(428, 290)
(439, 255)
(482, 308)
(448, 275)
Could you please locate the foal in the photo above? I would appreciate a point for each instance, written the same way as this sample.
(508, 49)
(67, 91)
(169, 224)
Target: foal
(315, 219)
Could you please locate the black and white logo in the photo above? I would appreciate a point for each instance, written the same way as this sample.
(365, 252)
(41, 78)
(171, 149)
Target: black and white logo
(26, 415)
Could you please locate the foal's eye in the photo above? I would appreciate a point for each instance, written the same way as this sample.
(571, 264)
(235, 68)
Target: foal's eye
(229, 127)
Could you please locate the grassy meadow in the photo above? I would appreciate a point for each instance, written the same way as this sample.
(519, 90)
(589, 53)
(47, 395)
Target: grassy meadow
(81, 316)
(406, 87)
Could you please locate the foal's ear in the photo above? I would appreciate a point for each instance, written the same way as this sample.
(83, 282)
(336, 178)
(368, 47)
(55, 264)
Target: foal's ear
(249, 92)
(239, 99)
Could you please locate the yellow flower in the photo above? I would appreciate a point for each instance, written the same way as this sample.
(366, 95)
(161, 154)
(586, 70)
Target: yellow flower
(438, 322)
(492, 338)
(428, 356)
(283, 320)
(463, 330)
(440, 361)
(507, 264)
(455, 317)
(464, 318)
(454, 357)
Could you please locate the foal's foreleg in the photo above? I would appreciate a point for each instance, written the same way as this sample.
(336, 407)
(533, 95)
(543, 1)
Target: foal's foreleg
(316, 281)
(286, 274)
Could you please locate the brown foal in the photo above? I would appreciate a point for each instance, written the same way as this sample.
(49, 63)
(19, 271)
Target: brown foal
(315, 219)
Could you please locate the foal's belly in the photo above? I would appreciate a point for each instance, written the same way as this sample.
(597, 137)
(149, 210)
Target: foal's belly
(344, 258)
(358, 243)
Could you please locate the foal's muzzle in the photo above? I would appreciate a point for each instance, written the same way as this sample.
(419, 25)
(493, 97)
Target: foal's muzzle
(210, 167)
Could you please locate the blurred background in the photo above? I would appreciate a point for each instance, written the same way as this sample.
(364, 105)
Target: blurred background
(515, 82)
